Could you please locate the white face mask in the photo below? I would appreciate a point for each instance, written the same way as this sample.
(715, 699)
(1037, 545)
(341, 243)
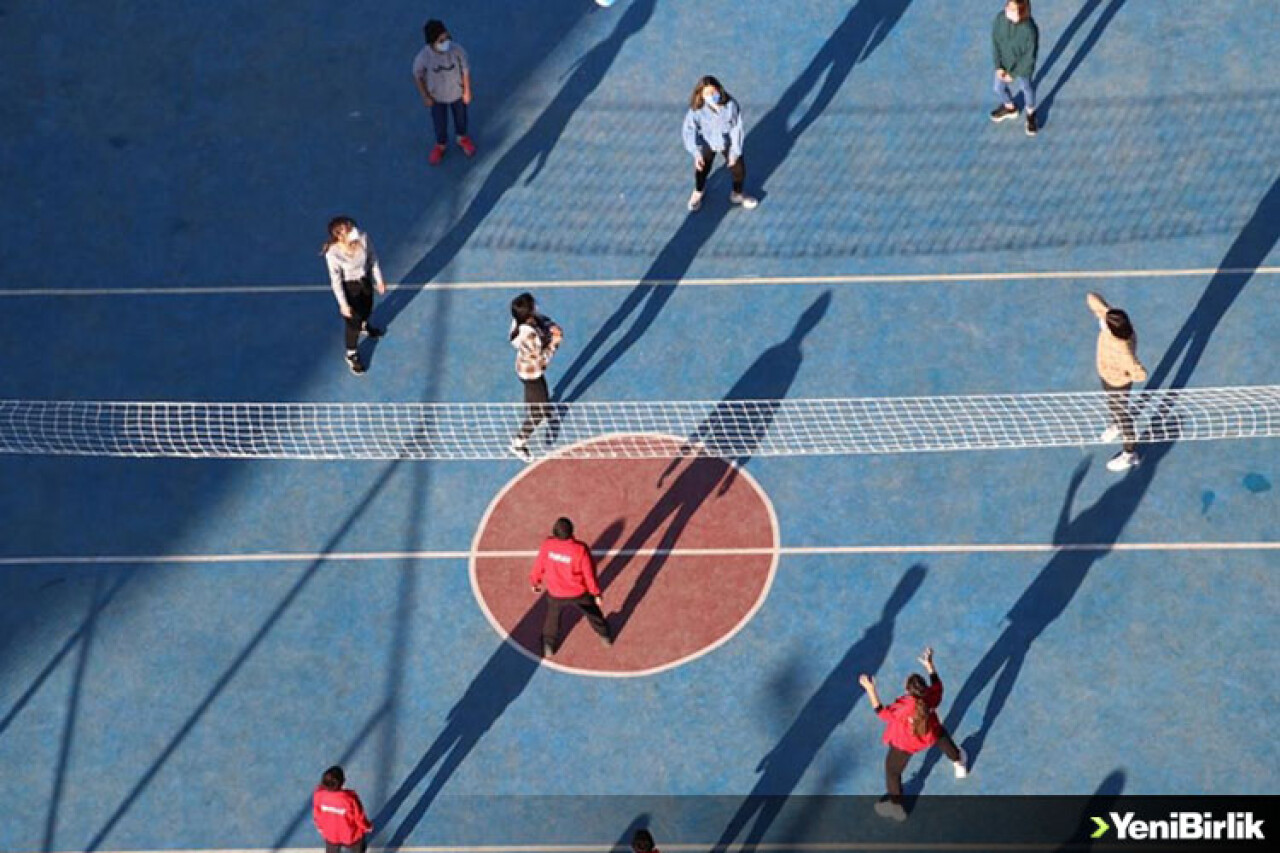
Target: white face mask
(353, 236)
(443, 46)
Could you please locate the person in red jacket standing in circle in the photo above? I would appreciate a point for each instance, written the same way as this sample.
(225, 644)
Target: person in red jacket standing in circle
(565, 568)
(339, 814)
(912, 725)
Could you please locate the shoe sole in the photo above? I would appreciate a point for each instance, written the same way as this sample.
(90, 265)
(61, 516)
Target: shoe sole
(1006, 117)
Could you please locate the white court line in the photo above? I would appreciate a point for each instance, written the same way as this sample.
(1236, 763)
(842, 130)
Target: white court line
(785, 551)
(738, 281)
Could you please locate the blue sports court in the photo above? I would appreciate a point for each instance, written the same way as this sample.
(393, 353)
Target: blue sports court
(186, 643)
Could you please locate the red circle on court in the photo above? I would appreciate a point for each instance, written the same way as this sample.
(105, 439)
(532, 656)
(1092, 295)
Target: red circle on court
(664, 608)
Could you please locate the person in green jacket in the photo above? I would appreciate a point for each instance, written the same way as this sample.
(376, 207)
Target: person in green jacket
(1015, 40)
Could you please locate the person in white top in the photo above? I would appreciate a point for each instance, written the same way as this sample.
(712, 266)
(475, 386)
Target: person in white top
(535, 338)
(353, 274)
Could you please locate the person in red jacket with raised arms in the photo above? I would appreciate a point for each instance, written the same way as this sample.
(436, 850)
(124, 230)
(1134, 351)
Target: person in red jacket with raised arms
(912, 725)
(564, 567)
(339, 814)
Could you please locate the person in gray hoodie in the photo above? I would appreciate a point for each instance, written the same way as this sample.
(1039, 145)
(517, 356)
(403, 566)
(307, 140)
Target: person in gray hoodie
(713, 126)
(1015, 41)
(443, 76)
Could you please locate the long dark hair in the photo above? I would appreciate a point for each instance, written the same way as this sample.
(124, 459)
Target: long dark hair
(916, 686)
(338, 226)
(695, 100)
(522, 311)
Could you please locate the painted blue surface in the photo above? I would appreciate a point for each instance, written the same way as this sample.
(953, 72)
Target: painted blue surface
(142, 705)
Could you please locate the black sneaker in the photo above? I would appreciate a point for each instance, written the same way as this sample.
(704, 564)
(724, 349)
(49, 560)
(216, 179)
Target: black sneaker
(374, 331)
(354, 362)
(1003, 112)
(1031, 124)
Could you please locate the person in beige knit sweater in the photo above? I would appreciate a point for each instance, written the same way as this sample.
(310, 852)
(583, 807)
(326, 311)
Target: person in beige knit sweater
(1118, 368)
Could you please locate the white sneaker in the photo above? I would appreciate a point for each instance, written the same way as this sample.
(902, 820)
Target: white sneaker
(520, 449)
(1123, 461)
(1110, 435)
(891, 810)
(962, 766)
(695, 200)
(747, 202)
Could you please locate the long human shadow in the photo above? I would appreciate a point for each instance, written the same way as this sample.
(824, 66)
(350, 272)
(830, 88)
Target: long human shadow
(1099, 27)
(498, 683)
(1247, 252)
(531, 150)
(828, 707)
(767, 145)
(728, 436)
(1101, 524)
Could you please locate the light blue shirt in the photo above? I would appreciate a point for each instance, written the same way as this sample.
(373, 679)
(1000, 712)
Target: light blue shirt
(716, 129)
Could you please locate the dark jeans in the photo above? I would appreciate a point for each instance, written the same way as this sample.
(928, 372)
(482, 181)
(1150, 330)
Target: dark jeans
(896, 762)
(585, 603)
(1118, 406)
(358, 847)
(738, 170)
(537, 396)
(360, 298)
(440, 118)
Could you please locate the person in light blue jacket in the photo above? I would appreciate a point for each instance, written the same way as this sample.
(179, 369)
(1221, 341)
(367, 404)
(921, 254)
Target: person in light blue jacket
(713, 126)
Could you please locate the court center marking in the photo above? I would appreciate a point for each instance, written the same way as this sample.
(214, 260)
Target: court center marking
(585, 284)
(784, 551)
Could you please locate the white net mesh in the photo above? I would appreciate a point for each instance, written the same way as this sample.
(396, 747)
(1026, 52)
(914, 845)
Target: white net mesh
(726, 428)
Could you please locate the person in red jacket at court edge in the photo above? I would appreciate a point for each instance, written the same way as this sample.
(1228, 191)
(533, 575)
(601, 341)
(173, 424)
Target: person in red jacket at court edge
(564, 566)
(339, 814)
(913, 725)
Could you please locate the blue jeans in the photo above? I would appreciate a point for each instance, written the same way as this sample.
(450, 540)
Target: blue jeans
(1004, 91)
(440, 118)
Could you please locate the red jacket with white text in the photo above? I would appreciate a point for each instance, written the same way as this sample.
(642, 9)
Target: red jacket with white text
(339, 815)
(565, 567)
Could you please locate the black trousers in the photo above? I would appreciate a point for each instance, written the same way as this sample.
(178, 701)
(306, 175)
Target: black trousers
(360, 298)
(359, 847)
(585, 603)
(896, 762)
(537, 396)
(738, 170)
(1118, 406)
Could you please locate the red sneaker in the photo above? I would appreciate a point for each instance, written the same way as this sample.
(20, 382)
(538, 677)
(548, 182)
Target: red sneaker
(468, 147)
(436, 155)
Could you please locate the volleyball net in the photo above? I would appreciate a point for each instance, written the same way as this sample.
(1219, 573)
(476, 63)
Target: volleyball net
(635, 430)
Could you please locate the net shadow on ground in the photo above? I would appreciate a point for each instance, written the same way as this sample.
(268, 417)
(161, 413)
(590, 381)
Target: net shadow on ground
(900, 185)
(767, 145)
(1052, 590)
(782, 769)
(1059, 47)
(530, 152)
